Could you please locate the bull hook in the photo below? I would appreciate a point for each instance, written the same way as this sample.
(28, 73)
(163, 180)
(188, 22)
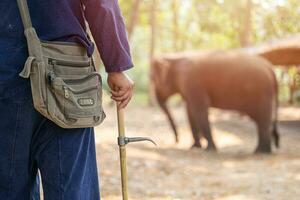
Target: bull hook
(122, 142)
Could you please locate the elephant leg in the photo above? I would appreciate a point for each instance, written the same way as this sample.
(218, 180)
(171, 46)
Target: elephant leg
(198, 115)
(194, 127)
(205, 129)
(264, 127)
(264, 140)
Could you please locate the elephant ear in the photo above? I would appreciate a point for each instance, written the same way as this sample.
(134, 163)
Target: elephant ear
(176, 73)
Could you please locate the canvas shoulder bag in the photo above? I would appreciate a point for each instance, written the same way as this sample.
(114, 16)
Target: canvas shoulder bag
(65, 85)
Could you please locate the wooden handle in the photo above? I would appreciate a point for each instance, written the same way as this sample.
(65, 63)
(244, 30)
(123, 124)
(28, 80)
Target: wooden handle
(121, 123)
(122, 149)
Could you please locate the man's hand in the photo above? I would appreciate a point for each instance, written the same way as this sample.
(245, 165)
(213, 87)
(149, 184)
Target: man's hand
(121, 88)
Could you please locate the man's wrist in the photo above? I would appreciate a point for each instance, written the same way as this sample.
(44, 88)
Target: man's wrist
(115, 73)
(119, 68)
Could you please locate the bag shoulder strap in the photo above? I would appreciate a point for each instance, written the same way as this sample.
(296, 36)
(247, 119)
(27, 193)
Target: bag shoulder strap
(33, 42)
(24, 11)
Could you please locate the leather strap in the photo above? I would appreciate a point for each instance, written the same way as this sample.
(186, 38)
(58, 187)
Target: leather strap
(24, 11)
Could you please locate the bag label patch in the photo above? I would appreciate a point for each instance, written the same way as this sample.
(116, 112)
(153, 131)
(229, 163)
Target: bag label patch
(86, 102)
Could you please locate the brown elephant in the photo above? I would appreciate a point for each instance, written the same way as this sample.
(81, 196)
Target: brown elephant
(225, 80)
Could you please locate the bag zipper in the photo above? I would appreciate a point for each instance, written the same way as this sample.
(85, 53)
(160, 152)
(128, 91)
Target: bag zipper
(66, 92)
(52, 61)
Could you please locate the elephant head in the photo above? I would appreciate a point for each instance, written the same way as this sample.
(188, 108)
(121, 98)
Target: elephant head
(163, 81)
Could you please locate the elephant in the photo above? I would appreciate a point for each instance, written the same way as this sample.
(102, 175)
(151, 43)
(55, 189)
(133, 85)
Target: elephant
(229, 80)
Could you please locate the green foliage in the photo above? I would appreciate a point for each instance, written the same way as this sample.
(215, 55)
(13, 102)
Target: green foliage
(205, 24)
(277, 20)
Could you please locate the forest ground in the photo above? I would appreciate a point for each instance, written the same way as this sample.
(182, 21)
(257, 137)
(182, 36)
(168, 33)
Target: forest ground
(174, 172)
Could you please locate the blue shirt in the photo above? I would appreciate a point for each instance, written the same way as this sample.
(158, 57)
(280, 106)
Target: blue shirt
(64, 20)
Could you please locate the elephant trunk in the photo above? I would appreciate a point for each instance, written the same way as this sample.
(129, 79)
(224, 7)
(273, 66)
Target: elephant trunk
(163, 105)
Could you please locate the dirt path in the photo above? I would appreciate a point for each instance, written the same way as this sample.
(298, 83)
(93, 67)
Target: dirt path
(173, 172)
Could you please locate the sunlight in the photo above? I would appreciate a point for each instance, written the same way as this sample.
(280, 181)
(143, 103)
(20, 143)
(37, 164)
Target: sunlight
(226, 139)
(237, 197)
(297, 177)
(271, 4)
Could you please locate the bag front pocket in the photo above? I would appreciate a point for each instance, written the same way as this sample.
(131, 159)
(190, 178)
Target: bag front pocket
(78, 101)
(70, 69)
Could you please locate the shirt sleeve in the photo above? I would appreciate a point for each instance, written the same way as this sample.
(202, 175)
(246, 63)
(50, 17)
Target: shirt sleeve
(108, 29)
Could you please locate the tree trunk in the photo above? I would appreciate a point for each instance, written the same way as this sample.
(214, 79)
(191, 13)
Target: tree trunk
(246, 24)
(152, 49)
(175, 25)
(133, 17)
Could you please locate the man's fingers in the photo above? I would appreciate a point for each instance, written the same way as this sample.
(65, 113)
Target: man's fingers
(121, 87)
(122, 91)
(123, 97)
(124, 103)
(125, 100)
(118, 93)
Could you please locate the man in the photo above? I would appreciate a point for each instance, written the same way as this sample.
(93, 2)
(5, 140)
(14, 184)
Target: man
(66, 158)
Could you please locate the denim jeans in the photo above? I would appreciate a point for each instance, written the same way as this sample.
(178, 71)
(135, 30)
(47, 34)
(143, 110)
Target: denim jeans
(66, 158)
